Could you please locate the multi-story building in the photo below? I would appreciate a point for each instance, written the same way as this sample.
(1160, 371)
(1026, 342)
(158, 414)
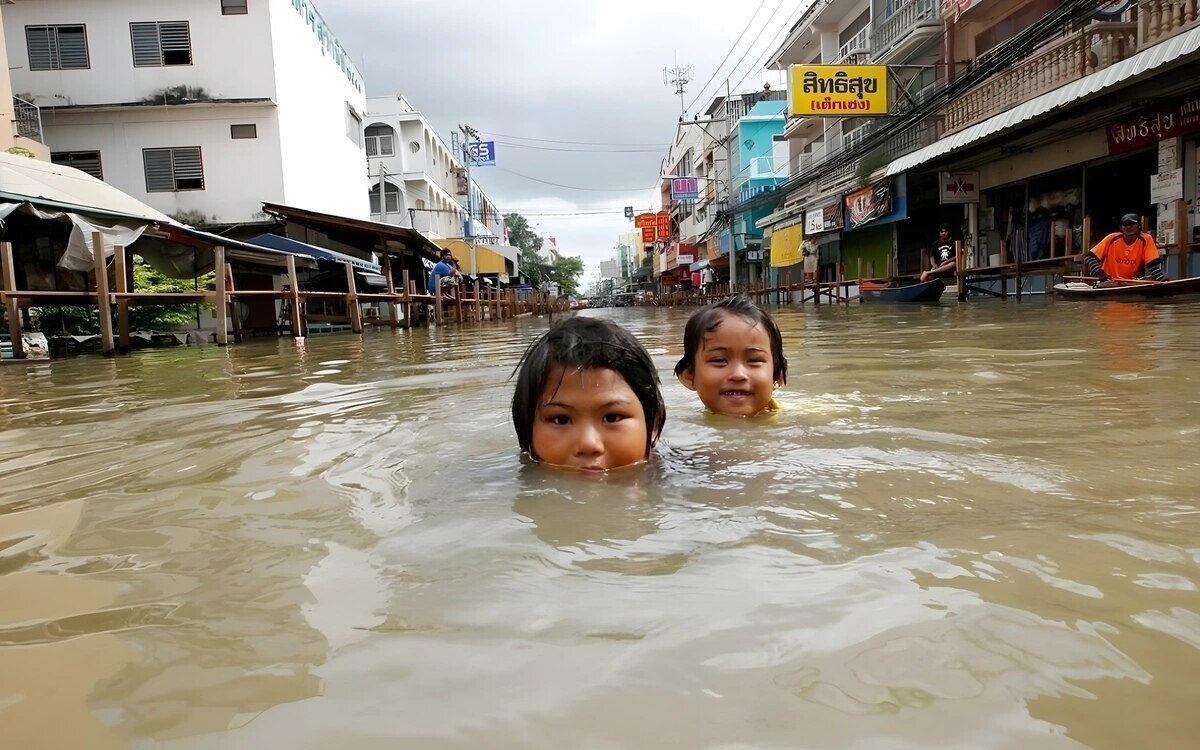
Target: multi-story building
(200, 109)
(25, 135)
(1029, 126)
(759, 159)
(425, 187)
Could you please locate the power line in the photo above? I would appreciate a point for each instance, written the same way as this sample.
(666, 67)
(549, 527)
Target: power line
(645, 150)
(785, 29)
(574, 143)
(576, 187)
(727, 54)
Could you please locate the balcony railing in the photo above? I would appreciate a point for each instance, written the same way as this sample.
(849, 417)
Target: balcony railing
(906, 19)
(860, 42)
(1080, 54)
(28, 119)
(1161, 19)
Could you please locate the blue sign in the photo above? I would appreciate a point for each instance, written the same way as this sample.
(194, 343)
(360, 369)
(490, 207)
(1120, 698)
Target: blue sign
(685, 189)
(482, 153)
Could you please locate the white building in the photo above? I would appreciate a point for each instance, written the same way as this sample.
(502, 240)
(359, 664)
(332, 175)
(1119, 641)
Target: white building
(199, 107)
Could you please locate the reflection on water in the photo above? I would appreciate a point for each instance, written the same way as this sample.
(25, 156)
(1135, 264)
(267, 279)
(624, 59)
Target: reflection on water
(969, 526)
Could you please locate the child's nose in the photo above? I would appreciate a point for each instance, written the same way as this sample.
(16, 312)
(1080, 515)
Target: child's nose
(589, 443)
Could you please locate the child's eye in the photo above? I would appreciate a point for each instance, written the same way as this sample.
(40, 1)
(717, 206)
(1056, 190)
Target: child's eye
(716, 361)
(614, 418)
(559, 419)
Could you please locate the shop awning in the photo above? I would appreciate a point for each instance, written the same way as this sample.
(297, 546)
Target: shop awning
(25, 180)
(358, 233)
(699, 265)
(1143, 62)
(295, 247)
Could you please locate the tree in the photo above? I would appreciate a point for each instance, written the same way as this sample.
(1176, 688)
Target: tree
(566, 272)
(529, 243)
(158, 317)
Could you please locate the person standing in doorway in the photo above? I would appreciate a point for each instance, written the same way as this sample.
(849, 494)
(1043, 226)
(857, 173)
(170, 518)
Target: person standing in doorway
(1125, 255)
(943, 255)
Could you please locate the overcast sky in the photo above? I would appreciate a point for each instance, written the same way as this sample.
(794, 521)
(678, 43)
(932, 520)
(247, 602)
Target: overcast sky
(546, 79)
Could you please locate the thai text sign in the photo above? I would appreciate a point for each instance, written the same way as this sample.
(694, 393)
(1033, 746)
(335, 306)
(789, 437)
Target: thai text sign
(837, 90)
(1166, 187)
(1152, 125)
(663, 225)
(786, 244)
(959, 187)
(826, 219)
(868, 204)
(685, 189)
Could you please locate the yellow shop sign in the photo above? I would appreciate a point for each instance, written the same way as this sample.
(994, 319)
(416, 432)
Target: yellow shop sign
(837, 90)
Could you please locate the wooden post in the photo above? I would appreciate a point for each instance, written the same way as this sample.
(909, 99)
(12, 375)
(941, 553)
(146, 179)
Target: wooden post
(233, 305)
(295, 293)
(103, 302)
(119, 261)
(391, 289)
(960, 271)
(439, 313)
(1017, 268)
(352, 300)
(11, 305)
(222, 299)
(408, 307)
(1182, 232)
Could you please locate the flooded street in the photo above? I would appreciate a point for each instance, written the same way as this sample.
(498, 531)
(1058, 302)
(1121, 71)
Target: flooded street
(970, 526)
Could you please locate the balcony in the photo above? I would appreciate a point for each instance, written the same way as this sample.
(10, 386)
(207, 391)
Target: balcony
(859, 44)
(1162, 19)
(27, 117)
(1083, 53)
(912, 24)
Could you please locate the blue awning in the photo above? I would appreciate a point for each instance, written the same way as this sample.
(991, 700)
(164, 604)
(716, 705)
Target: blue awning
(295, 247)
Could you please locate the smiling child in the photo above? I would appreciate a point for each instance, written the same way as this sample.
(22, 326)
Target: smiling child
(587, 397)
(733, 358)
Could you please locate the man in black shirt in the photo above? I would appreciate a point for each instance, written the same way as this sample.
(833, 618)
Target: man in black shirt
(942, 255)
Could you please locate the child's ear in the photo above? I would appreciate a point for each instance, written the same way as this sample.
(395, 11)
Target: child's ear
(688, 378)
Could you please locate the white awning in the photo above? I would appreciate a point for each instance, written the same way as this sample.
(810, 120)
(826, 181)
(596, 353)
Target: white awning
(25, 180)
(1144, 61)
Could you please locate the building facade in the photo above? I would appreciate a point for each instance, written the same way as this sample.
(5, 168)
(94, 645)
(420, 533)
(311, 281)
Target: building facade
(149, 98)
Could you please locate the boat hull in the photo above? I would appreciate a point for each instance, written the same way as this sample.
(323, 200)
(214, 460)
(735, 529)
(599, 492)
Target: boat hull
(1132, 292)
(892, 291)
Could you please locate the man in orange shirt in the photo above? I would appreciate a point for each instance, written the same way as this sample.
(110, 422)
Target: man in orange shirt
(1125, 255)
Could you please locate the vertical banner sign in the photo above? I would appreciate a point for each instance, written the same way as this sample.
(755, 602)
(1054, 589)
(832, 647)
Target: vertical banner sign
(663, 225)
(837, 90)
(482, 153)
(647, 223)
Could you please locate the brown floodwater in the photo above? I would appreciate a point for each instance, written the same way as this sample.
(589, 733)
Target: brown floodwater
(971, 526)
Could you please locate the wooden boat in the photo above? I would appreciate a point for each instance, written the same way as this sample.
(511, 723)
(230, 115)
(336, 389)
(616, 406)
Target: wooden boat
(901, 290)
(1132, 290)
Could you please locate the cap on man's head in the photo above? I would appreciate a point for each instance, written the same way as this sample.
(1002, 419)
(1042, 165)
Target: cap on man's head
(1131, 219)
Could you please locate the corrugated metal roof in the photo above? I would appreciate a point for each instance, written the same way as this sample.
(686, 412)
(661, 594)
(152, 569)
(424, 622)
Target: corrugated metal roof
(1146, 60)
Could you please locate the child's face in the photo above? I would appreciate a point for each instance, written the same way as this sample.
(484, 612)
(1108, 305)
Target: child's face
(734, 371)
(589, 420)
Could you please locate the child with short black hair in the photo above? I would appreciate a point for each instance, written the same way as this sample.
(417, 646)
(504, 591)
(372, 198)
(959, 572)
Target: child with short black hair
(587, 397)
(733, 357)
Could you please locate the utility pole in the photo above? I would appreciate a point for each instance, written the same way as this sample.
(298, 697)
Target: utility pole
(471, 135)
(383, 213)
(729, 189)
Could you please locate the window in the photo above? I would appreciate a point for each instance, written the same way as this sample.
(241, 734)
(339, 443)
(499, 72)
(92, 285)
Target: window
(391, 197)
(234, 8)
(354, 128)
(57, 47)
(414, 146)
(381, 140)
(84, 161)
(243, 131)
(160, 43)
(173, 169)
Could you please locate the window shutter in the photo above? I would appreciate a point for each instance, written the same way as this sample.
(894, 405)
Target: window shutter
(393, 201)
(372, 148)
(375, 201)
(189, 171)
(146, 52)
(43, 52)
(72, 47)
(159, 175)
(176, 42)
(84, 161)
(385, 145)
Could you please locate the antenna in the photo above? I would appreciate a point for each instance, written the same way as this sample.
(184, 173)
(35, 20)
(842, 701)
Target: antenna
(679, 77)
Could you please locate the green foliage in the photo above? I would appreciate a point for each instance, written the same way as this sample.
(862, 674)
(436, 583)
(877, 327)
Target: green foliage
(65, 319)
(21, 151)
(522, 237)
(158, 317)
(566, 273)
(193, 218)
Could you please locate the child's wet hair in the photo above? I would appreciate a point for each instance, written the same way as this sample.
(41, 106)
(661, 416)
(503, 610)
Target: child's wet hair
(709, 318)
(583, 343)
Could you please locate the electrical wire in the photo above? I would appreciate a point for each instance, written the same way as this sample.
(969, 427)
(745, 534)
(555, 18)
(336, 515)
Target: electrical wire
(645, 150)
(576, 187)
(717, 69)
(574, 143)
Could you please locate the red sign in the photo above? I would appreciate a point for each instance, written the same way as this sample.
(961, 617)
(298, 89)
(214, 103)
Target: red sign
(1153, 125)
(648, 234)
(663, 225)
(641, 221)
